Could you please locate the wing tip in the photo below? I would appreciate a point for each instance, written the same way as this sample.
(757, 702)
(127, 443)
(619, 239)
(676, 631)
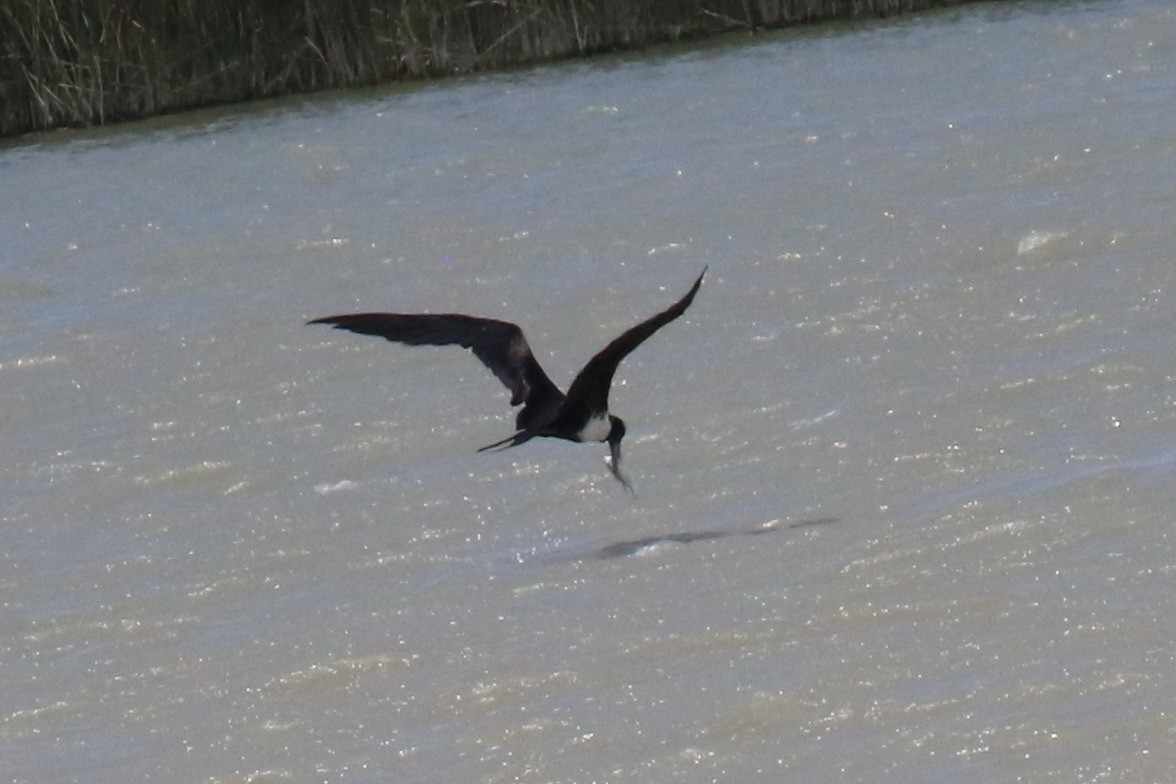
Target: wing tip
(687, 300)
(338, 321)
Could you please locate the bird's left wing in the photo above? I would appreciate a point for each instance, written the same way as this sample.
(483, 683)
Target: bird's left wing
(500, 346)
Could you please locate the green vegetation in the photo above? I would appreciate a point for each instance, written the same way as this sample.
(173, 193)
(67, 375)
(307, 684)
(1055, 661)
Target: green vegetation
(82, 62)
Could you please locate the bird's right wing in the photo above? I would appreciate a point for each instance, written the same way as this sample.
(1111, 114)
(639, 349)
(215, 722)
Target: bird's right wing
(592, 383)
(500, 346)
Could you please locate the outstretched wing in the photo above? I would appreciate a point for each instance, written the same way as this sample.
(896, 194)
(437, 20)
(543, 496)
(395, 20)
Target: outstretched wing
(499, 344)
(591, 385)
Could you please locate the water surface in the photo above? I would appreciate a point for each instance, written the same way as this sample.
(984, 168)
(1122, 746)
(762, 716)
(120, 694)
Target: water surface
(904, 470)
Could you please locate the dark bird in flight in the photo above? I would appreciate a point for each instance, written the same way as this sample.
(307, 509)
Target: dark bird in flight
(580, 415)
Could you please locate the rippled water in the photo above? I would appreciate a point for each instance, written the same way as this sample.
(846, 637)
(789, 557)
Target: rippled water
(904, 470)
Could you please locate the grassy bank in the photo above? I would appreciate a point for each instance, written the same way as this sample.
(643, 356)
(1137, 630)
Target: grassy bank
(82, 62)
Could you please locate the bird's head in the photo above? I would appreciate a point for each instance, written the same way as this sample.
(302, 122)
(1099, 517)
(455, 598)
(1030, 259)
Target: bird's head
(615, 434)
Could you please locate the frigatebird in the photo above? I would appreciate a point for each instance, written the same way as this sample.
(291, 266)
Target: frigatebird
(580, 415)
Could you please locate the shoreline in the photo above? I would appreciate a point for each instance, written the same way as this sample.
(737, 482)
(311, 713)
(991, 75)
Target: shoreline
(62, 65)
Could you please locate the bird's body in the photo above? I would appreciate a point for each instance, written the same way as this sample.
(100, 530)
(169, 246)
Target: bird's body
(580, 415)
(596, 428)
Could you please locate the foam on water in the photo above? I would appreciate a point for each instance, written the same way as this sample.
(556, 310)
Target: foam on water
(1035, 239)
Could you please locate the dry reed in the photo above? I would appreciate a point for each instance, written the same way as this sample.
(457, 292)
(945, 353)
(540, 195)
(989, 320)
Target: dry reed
(82, 62)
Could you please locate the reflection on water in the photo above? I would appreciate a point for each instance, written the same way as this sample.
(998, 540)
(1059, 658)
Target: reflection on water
(937, 312)
(648, 543)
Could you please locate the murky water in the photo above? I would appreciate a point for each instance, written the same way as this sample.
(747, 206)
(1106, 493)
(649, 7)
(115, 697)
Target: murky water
(904, 471)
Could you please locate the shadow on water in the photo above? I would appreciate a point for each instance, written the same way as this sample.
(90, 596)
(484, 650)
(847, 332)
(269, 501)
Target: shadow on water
(645, 544)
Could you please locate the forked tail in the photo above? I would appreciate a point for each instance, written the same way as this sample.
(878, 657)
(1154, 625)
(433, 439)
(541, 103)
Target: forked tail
(520, 437)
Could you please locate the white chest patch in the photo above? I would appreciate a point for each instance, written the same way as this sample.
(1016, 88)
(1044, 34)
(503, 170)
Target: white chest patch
(597, 429)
